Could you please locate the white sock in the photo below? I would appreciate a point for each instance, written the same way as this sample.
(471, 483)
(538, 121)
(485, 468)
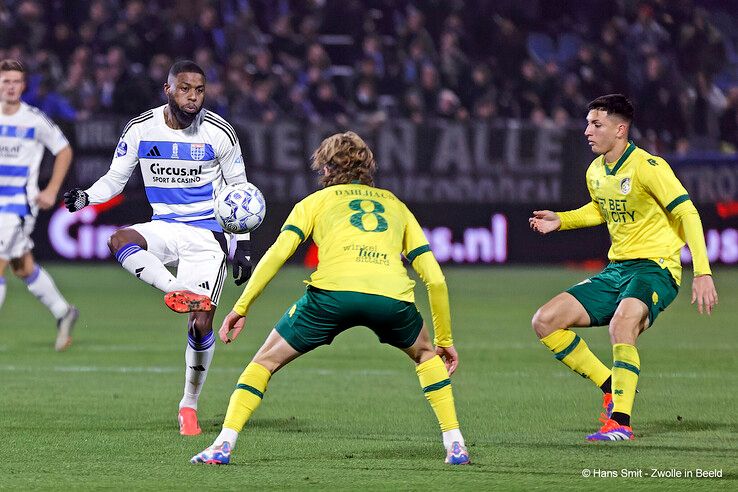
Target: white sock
(2, 291)
(147, 267)
(452, 436)
(198, 355)
(228, 435)
(41, 285)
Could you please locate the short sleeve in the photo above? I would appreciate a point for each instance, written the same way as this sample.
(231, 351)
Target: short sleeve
(50, 135)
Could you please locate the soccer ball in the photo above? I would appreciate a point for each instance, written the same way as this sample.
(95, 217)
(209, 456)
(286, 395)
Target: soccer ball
(240, 208)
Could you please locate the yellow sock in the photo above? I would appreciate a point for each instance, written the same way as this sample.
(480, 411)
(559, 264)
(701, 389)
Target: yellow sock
(248, 394)
(626, 367)
(574, 352)
(436, 385)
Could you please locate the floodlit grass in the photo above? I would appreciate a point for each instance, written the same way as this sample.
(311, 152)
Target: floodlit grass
(352, 416)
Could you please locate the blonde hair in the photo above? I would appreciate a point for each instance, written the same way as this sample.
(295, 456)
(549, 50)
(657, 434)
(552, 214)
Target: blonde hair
(347, 158)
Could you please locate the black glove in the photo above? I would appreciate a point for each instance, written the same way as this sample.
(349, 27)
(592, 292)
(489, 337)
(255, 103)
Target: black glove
(242, 262)
(76, 199)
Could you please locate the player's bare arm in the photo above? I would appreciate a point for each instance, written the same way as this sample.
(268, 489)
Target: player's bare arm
(47, 197)
(544, 221)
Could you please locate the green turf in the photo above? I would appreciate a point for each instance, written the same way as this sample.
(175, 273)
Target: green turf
(352, 416)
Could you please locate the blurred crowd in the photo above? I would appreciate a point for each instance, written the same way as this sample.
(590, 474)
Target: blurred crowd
(349, 60)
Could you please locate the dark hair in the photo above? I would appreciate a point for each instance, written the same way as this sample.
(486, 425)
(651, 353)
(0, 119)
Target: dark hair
(11, 65)
(185, 66)
(613, 104)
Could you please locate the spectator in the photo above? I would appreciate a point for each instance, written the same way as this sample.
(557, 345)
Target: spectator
(729, 122)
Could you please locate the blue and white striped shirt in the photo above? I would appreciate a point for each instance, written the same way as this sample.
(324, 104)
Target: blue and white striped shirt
(23, 137)
(182, 169)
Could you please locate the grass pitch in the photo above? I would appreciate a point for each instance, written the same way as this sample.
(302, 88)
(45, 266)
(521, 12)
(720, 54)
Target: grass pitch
(352, 416)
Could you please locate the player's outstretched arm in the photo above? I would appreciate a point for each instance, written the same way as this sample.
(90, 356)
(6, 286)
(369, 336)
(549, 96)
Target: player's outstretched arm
(544, 221)
(284, 247)
(76, 199)
(703, 287)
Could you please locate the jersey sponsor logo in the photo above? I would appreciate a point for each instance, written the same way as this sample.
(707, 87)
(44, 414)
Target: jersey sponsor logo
(121, 149)
(197, 151)
(625, 185)
(10, 151)
(616, 210)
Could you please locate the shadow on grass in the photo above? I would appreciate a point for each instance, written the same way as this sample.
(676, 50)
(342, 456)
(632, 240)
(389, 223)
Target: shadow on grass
(685, 425)
(286, 424)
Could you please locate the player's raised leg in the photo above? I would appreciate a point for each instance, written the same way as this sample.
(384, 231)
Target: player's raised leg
(552, 323)
(630, 319)
(274, 354)
(436, 383)
(131, 250)
(42, 286)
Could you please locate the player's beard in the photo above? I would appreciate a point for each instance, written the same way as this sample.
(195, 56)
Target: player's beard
(184, 118)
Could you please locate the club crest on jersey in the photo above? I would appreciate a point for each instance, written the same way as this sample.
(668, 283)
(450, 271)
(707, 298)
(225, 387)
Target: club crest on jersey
(197, 151)
(625, 186)
(121, 149)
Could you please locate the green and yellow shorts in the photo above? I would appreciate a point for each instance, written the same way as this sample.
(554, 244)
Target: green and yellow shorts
(643, 279)
(320, 315)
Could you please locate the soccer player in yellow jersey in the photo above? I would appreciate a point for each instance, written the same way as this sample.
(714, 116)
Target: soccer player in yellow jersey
(361, 232)
(649, 217)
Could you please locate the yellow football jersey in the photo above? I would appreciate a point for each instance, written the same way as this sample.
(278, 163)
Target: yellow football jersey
(637, 197)
(361, 233)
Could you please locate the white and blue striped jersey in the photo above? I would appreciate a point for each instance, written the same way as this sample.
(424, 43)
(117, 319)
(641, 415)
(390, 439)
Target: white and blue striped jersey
(23, 137)
(182, 169)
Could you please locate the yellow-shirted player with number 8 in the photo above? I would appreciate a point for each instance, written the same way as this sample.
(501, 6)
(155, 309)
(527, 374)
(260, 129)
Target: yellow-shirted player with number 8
(649, 217)
(361, 233)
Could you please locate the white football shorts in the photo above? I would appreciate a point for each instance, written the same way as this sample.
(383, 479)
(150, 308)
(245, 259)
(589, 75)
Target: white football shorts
(15, 235)
(198, 254)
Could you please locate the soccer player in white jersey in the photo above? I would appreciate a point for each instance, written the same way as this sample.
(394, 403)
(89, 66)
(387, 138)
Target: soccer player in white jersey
(186, 155)
(24, 133)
